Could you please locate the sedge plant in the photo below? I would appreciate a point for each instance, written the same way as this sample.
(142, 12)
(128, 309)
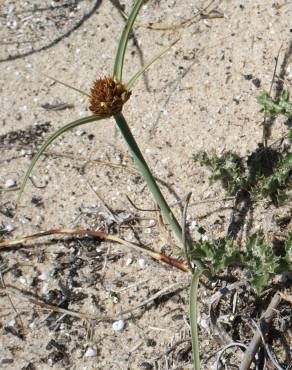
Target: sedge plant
(106, 99)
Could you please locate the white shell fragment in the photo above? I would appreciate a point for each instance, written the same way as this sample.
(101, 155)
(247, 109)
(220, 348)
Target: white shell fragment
(141, 262)
(205, 238)
(90, 352)
(11, 323)
(9, 228)
(23, 280)
(118, 325)
(194, 224)
(80, 132)
(45, 276)
(204, 324)
(10, 183)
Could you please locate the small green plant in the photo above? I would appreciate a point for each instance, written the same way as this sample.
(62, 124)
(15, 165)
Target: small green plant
(265, 174)
(274, 107)
(275, 185)
(228, 169)
(257, 256)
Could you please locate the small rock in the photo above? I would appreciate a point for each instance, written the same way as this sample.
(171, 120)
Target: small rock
(150, 343)
(129, 261)
(91, 352)
(146, 366)
(6, 361)
(118, 325)
(256, 82)
(248, 77)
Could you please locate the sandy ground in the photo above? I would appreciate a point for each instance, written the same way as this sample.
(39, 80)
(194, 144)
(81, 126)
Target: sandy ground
(198, 97)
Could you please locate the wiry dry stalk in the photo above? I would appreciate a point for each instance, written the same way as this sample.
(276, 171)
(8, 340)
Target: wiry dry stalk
(101, 235)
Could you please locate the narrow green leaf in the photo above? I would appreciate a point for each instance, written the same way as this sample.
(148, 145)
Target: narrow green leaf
(194, 319)
(119, 62)
(131, 82)
(49, 140)
(69, 86)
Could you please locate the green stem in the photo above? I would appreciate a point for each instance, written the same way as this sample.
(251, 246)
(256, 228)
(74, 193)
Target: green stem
(153, 187)
(194, 319)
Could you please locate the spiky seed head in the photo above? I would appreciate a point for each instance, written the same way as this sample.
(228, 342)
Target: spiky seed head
(108, 96)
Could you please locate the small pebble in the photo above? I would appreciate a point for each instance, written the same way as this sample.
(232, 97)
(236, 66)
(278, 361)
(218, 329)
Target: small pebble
(129, 261)
(10, 183)
(90, 352)
(248, 77)
(141, 262)
(118, 325)
(256, 82)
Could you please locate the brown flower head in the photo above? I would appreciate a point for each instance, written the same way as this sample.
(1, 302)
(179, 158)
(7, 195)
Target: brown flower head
(108, 96)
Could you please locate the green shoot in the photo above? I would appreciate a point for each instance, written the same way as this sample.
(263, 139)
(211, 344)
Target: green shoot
(152, 185)
(48, 141)
(66, 85)
(119, 61)
(132, 80)
(194, 319)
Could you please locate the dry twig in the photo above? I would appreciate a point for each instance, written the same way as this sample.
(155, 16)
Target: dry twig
(264, 323)
(102, 235)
